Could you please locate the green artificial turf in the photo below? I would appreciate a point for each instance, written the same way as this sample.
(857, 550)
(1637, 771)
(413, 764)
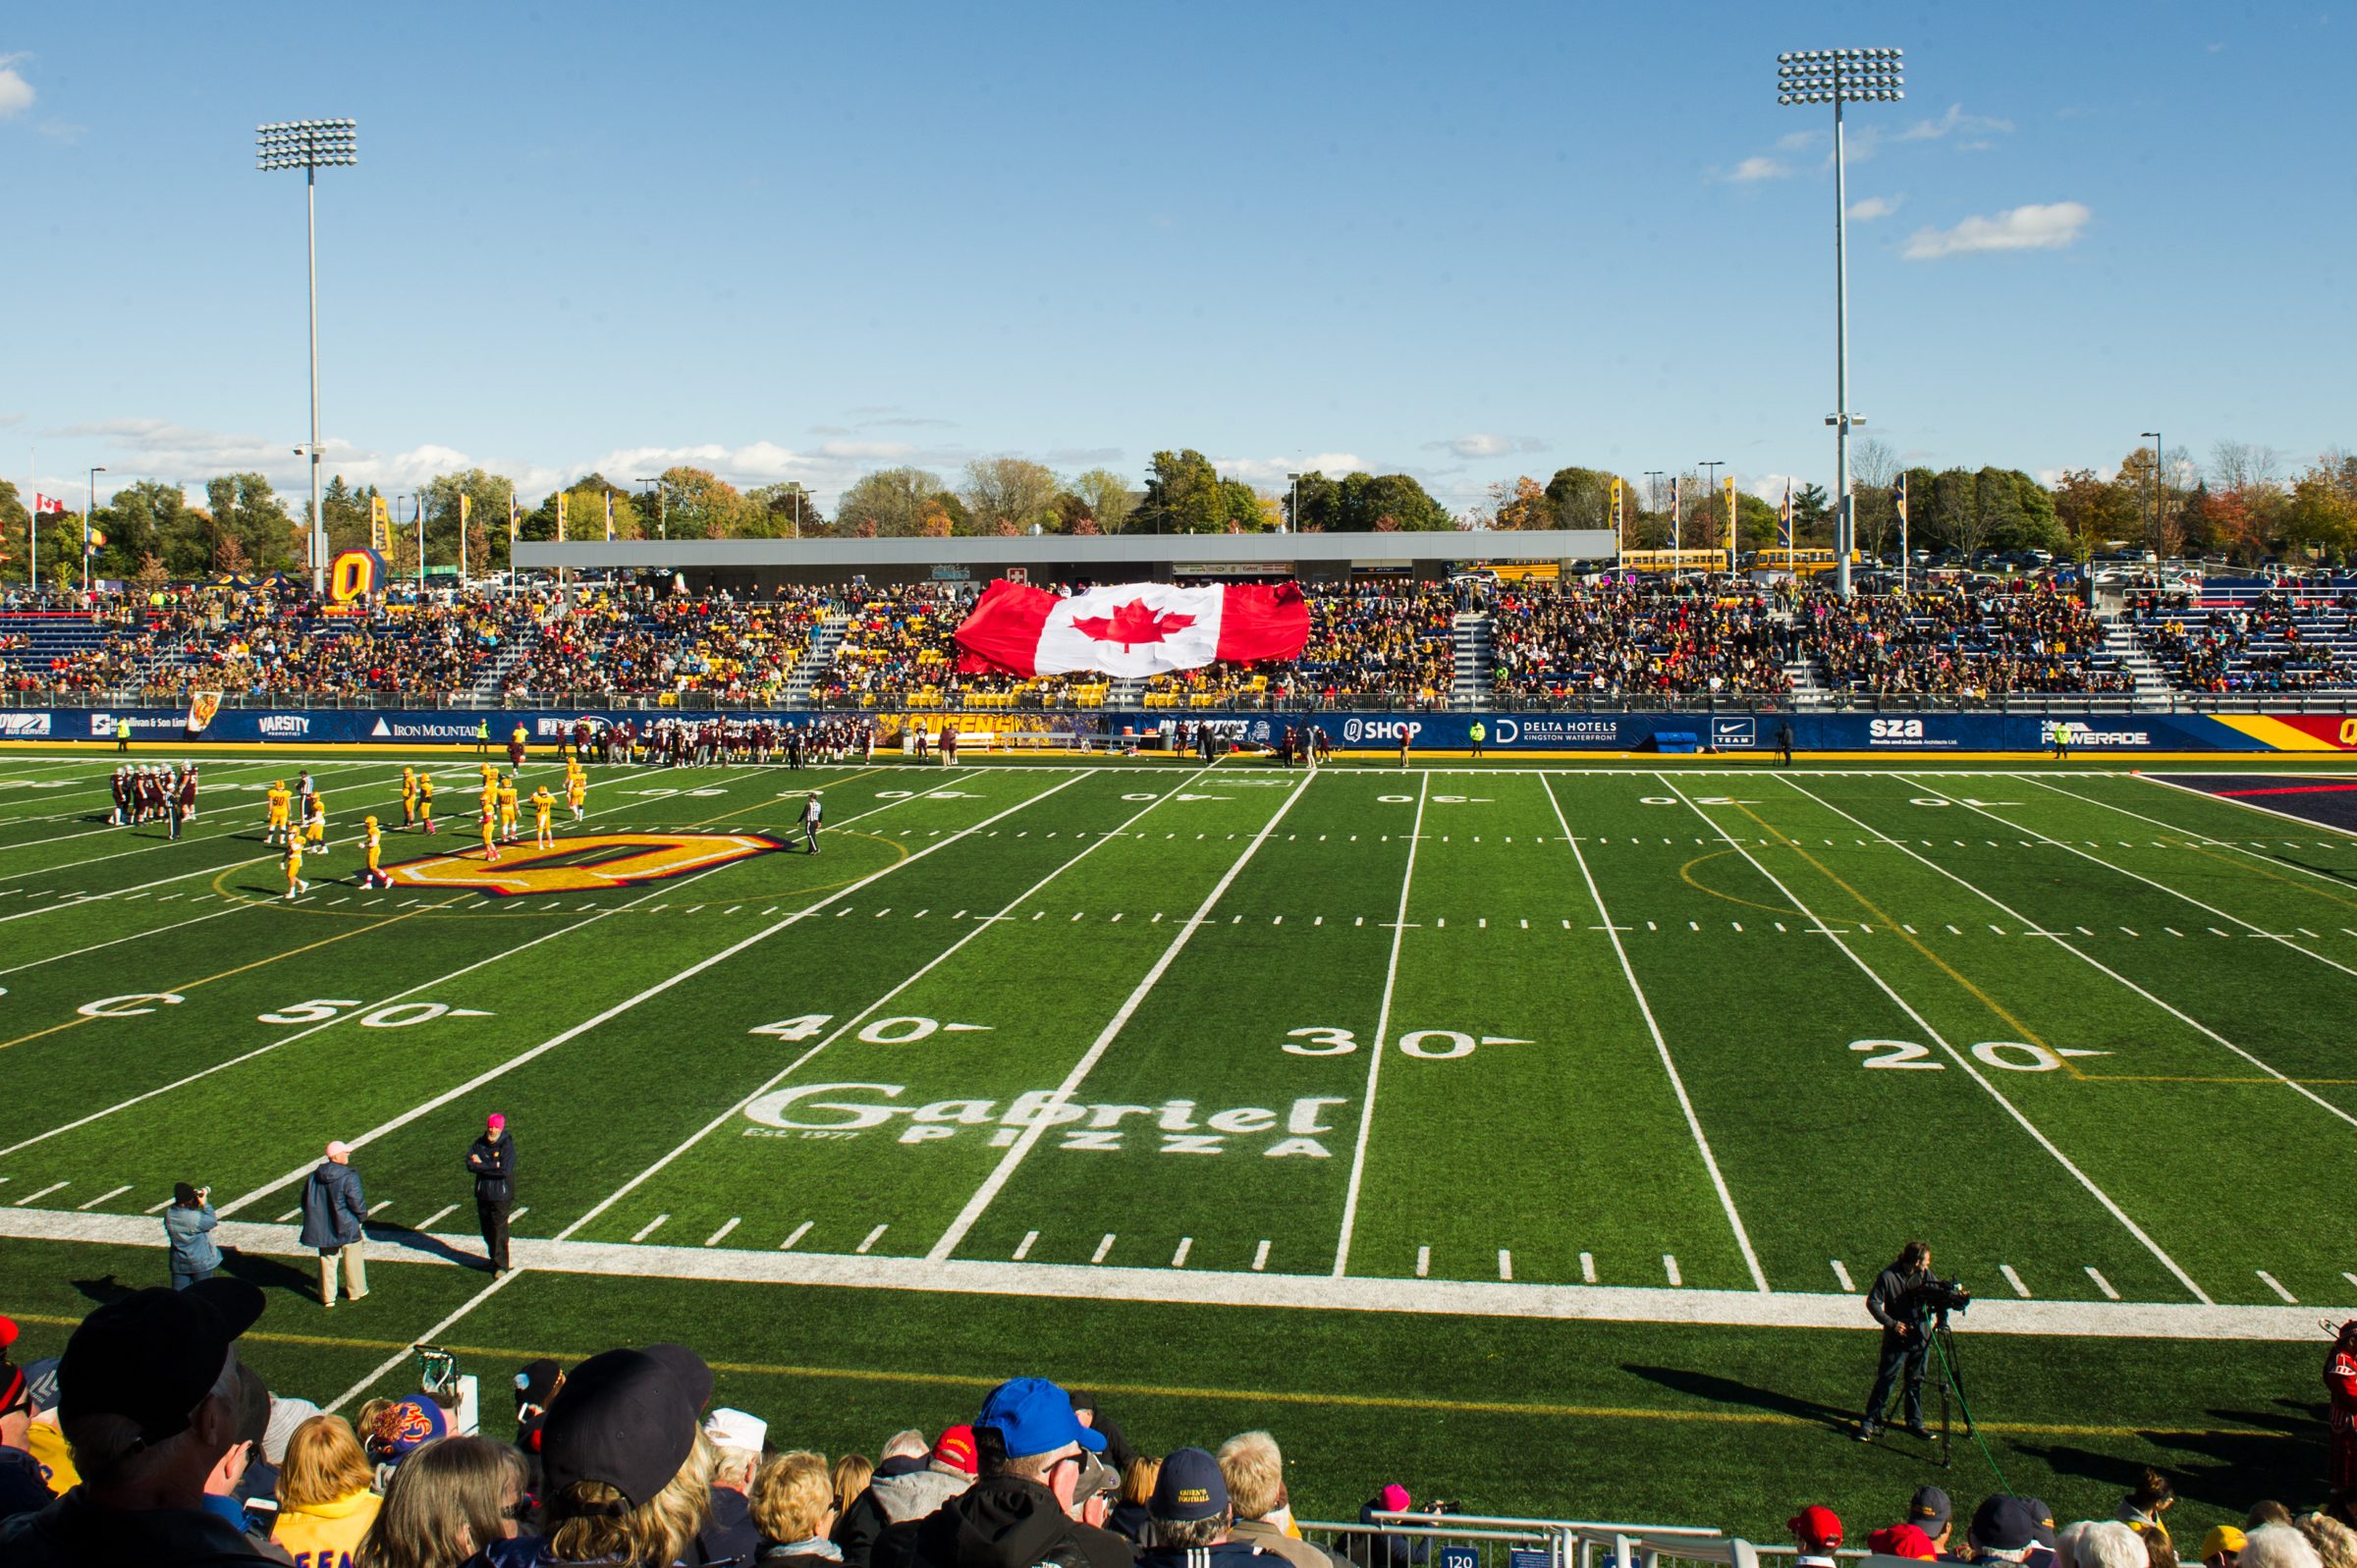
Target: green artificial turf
(1371, 1032)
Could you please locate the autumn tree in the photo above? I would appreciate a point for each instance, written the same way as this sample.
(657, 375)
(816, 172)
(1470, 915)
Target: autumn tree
(1008, 494)
(1182, 496)
(887, 504)
(785, 509)
(1108, 498)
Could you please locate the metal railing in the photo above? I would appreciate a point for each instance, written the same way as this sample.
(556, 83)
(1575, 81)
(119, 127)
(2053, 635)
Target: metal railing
(1410, 1540)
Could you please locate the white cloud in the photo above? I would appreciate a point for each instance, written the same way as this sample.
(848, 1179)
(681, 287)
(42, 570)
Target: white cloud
(1799, 140)
(1482, 444)
(2037, 227)
(1873, 207)
(16, 93)
(1978, 125)
(1270, 473)
(1770, 487)
(1751, 169)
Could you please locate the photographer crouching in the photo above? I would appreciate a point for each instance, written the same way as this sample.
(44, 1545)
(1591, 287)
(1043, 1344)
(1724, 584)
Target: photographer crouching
(1905, 1300)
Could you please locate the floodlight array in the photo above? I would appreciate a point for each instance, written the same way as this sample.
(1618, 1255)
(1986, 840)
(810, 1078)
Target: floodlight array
(307, 144)
(1841, 75)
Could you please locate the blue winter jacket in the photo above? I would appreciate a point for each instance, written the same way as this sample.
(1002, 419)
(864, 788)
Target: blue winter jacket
(333, 1209)
(193, 1249)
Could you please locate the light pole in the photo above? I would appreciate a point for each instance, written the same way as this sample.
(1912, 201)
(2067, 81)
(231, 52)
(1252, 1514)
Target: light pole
(1293, 513)
(1653, 491)
(310, 145)
(1839, 76)
(2160, 499)
(88, 507)
(662, 503)
(1710, 494)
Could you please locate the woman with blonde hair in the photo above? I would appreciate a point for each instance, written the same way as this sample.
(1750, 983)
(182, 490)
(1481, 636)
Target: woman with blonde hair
(448, 1501)
(325, 1504)
(627, 1468)
(795, 1508)
(1130, 1518)
(852, 1473)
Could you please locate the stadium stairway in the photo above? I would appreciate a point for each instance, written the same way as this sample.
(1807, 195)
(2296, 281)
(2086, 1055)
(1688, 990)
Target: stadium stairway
(818, 659)
(1807, 690)
(1125, 694)
(1470, 635)
(2120, 646)
(490, 685)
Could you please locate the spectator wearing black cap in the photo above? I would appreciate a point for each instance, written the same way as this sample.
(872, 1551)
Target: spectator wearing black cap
(224, 1483)
(1923, 1533)
(1013, 1516)
(187, 1227)
(21, 1487)
(1118, 1452)
(1191, 1516)
(148, 1390)
(628, 1474)
(2005, 1530)
(535, 1386)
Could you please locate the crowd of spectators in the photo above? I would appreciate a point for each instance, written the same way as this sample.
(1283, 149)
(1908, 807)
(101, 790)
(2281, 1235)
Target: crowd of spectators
(1639, 636)
(2269, 644)
(1374, 642)
(151, 1440)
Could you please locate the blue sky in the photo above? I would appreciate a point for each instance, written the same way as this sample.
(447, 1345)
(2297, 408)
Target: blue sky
(1464, 242)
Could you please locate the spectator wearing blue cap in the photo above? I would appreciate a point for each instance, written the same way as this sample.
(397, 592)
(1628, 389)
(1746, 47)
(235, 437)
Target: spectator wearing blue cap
(2005, 1530)
(1191, 1516)
(1017, 1513)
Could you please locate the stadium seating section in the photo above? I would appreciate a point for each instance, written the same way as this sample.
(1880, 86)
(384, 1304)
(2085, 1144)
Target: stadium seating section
(1373, 644)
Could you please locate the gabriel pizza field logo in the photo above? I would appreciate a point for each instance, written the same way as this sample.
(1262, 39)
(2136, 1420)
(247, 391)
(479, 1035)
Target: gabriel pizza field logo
(592, 863)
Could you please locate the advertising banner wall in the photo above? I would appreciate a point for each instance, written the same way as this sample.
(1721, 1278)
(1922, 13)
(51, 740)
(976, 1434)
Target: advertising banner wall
(1928, 734)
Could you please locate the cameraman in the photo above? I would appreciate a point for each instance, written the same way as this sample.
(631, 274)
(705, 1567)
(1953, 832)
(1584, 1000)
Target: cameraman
(1895, 1303)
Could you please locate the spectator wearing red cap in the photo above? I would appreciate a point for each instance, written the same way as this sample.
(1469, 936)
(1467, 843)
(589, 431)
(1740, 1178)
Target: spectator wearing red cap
(148, 1390)
(1030, 1446)
(1817, 1532)
(491, 1160)
(21, 1487)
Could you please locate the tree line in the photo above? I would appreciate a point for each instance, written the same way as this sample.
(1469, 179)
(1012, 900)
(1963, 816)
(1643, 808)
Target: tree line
(2246, 503)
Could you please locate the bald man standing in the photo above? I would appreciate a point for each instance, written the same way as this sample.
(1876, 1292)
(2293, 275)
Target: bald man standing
(334, 1213)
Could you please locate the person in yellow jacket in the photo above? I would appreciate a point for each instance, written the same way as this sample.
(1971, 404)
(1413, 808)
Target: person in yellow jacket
(278, 801)
(326, 1500)
(293, 866)
(409, 797)
(426, 799)
(576, 786)
(372, 845)
(542, 804)
(491, 824)
(507, 808)
(314, 822)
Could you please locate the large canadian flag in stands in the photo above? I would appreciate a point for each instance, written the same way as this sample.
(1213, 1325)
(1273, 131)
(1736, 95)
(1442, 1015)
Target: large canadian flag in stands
(1139, 628)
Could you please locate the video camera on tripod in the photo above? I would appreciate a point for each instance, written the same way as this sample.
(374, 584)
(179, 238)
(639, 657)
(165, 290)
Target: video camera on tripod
(1937, 1298)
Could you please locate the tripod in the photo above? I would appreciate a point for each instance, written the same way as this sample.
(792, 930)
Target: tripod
(1952, 1399)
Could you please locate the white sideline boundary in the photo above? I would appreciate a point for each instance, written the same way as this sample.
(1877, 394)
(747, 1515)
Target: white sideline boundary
(1734, 1308)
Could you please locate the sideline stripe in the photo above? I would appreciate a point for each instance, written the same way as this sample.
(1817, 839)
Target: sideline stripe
(1828, 1311)
(996, 1180)
(1963, 1063)
(1677, 1084)
(1380, 1046)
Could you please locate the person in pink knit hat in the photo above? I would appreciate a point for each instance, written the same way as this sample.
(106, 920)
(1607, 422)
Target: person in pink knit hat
(491, 1160)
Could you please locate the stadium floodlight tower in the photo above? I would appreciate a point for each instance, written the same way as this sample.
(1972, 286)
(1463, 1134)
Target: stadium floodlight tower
(1841, 76)
(310, 145)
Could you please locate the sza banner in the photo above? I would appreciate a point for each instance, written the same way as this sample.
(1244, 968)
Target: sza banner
(1139, 628)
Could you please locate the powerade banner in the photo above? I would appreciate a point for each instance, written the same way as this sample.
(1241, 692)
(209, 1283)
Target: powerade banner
(1927, 733)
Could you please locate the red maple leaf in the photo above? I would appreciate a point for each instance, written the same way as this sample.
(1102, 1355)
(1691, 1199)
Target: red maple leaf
(1131, 624)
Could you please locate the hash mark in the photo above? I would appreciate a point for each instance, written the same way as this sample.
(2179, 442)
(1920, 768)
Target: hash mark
(1423, 1262)
(1587, 1268)
(2101, 1284)
(1186, 1244)
(1103, 1247)
(648, 1228)
(1841, 1274)
(1506, 1264)
(799, 1232)
(102, 1197)
(1670, 1267)
(2276, 1287)
(1023, 1248)
(873, 1237)
(714, 1239)
(2013, 1279)
(437, 1216)
(1260, 1256)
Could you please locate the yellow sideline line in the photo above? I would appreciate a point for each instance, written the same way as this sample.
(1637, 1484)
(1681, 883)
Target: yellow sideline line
(1482, 1407)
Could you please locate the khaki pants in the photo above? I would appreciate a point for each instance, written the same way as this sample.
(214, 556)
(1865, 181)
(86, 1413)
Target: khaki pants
(356, 1273)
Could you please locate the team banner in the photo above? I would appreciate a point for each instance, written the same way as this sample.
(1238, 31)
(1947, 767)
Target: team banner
(560, 517)
(1784, 521)
(1139, 628)
(202, 705)
(609, 516)
(1615, 511)
(380, 525)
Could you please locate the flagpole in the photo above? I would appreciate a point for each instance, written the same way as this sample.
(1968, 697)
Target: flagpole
(33, 535)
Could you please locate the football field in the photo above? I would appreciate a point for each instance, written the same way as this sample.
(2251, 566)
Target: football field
(1108, 1061)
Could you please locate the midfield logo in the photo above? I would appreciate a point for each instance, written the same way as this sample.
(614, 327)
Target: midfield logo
(1172, 1127)
(593, 863)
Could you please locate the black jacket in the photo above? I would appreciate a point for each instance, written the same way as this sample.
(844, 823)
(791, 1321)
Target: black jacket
(1891, 1301)
(864, 1522)
(729, 1535)
(999, 1522)
(494, 1167)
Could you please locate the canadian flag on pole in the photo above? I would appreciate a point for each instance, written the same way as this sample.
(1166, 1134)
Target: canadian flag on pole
(47, 506)
(1139, 628)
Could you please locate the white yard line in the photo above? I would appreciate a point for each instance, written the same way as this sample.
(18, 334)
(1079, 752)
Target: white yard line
(349, 1013)
(2162, 886)
(2032, 928)
(650, 994)
(1318, 1292)
(1380, 1046)
(1012, 1159)
(1661, 1045)
(1963, 1062)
